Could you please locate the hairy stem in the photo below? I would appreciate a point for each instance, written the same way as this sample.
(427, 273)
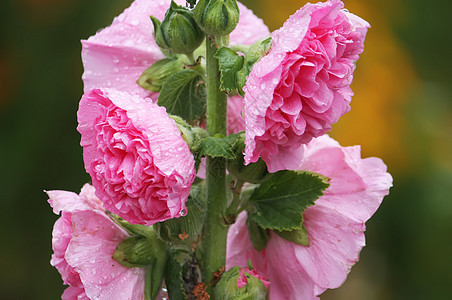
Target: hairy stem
(215, 230)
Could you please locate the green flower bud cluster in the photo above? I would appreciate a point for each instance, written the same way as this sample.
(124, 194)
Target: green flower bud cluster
(178, 33)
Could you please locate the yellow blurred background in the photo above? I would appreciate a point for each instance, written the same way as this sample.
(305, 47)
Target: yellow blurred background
(401, 112)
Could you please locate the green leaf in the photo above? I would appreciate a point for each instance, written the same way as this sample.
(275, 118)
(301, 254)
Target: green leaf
(184, 95)
(217, 146)
(230, 63)
(259, 236)
(279, 203)
(297, 236)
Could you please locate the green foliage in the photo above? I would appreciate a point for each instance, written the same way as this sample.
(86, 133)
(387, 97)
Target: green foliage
(229, 63)
(183, 95)
(259, 236)
(235, 68)
(218, 146)
(279, 202)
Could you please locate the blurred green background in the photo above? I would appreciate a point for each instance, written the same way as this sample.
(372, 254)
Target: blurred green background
(402, 112)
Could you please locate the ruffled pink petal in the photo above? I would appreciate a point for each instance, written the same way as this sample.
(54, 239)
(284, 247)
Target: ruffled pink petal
(74, 293)
(61, 236)
(117, 55)
(65, 201)
(250, 28)
(357, 186)
(301, 86)
(335, 225)
(90, 252)
(139, 163)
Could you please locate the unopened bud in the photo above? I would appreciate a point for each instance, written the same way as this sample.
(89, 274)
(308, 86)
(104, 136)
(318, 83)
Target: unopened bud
(217, 17)
(178, 32)
(241, 283)
(140, 251)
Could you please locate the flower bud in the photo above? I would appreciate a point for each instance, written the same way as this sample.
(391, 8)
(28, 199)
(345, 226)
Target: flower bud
(140, 251)
(241, 283)
(217, 17)
(156, 75)
(178, 32)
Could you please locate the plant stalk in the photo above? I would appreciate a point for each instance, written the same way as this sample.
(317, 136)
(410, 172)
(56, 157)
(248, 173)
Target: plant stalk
(215, 230)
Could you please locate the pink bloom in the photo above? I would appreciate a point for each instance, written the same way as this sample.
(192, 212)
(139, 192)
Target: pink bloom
(242, 281)
(335, 225)
(140, 165)
(84, 240)
(118, 55)
(302, 85)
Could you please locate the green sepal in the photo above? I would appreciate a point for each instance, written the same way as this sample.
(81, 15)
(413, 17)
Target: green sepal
(220, 146)
(138, 251)
(191, 3)
(229, 63)
(190, 135)
(136, 229)
(258, 50)
(253, 172)
(253, 55)
(183, 95)
(279, 202)
(157, 74)
(297, 236)
(182, 273)
(259, 236)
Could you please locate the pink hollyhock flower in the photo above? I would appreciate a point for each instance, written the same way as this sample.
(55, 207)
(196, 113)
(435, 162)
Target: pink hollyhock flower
(302, 85)
(84, 240)
(140, 165)
(119, 54)
(335, 225)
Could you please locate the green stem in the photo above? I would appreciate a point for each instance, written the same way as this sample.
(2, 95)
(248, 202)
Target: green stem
(191, 58)
(215, 230)
(236, 200)
(147, 283)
